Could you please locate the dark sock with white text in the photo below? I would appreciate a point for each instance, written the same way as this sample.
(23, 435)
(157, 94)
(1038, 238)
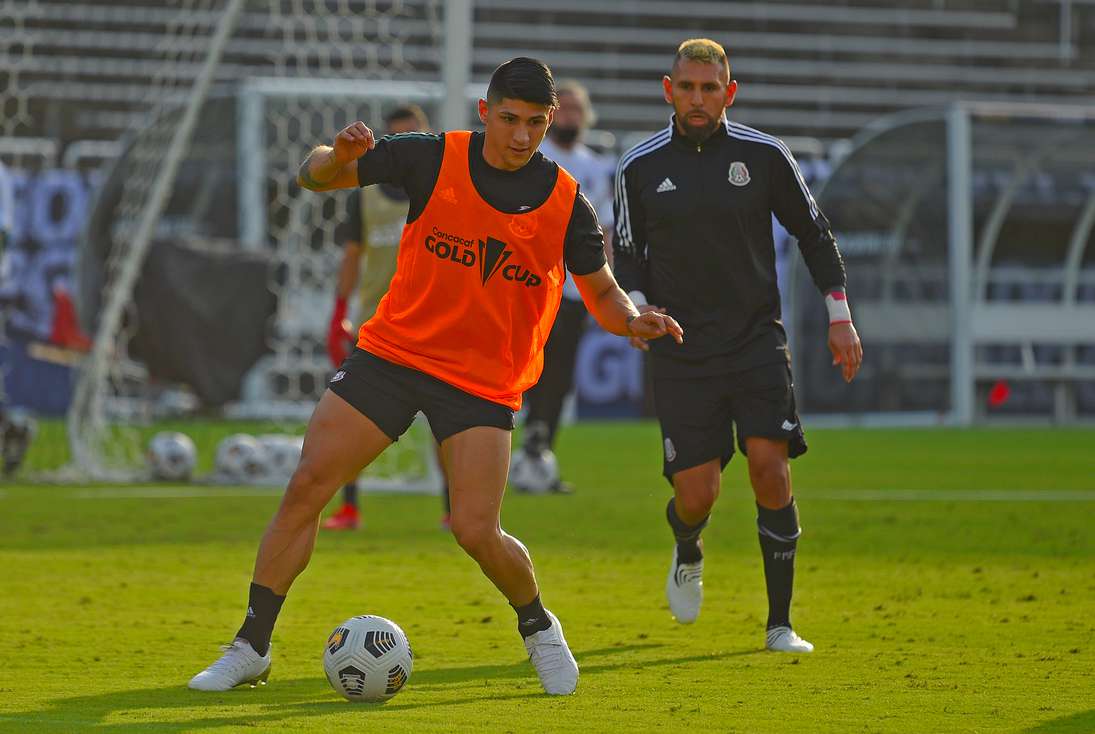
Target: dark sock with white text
(263, 606)
(779, 531)
(532, 617)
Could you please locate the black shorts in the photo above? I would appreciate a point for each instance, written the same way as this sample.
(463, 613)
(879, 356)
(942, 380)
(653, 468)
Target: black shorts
(698, 415)
(390, 395)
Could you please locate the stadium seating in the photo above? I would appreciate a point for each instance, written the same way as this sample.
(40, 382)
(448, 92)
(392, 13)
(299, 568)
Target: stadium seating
(820, 69)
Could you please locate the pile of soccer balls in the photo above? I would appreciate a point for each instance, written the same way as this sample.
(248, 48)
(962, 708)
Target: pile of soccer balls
(241, 458)
(245, 459)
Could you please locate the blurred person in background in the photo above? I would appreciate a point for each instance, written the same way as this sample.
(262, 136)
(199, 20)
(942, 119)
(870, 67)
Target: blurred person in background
(16, 428)
(370, 235)
(534, 468)
(694, 206)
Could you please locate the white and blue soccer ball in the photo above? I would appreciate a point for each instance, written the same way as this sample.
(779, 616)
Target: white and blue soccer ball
(534, 472)
(242, 458)
(282, 454)
(368, 659)
(172, 456)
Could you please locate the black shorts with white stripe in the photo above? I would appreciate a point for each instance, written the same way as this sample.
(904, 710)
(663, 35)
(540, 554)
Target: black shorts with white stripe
(698, 416)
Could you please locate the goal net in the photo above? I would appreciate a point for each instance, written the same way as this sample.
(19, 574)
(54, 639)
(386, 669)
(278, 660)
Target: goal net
(207, 275)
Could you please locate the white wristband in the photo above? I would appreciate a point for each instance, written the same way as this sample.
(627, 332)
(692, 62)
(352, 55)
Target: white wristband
(837, 304)
(638, 298)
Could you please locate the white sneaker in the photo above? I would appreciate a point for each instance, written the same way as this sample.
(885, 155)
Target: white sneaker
(548, 651)
(238, 665)
(784, 639)
(684, 589)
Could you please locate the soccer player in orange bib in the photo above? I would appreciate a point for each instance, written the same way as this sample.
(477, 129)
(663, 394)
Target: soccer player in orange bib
(459, 336)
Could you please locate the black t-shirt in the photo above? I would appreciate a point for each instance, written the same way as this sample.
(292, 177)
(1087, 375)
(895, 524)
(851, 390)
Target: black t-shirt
(412, 162)
(694, 233)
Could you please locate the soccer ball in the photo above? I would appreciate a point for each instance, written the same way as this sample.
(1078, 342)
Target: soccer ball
(282, 454)
(242, 458)
(535, 472)
(171, 456)
(368, 659)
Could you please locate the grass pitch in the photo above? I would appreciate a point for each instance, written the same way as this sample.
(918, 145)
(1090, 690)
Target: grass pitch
(946, 577)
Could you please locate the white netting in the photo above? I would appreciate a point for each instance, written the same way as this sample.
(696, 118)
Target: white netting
(231, 194)
(110, 392)
(281, 120)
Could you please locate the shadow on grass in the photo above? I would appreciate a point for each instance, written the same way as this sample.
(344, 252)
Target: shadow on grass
(1081, 723)
(308, 697)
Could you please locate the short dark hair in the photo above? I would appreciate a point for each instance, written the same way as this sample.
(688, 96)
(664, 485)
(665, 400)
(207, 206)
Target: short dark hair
(406, 112)
(528, 80)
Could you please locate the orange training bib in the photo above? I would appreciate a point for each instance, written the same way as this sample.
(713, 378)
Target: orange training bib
(476, 290)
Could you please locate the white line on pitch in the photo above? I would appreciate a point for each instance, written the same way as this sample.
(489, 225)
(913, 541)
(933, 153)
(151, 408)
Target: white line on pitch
(173, 492)
(949, 495)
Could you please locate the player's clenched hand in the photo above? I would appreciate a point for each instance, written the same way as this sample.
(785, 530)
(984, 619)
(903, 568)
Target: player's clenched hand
(652, 323)
(846, 349)
(354, 141)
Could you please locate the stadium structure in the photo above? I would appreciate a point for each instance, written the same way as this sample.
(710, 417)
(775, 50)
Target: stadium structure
(151, 145)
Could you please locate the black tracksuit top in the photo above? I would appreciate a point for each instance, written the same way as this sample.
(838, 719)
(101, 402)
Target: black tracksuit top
(694, 234)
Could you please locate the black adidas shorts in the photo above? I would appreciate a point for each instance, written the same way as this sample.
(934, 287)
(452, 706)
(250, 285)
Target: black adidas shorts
(390, 395)
(698, 415)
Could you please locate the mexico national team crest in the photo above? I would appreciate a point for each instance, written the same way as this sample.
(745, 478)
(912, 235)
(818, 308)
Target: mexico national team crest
(739, 174)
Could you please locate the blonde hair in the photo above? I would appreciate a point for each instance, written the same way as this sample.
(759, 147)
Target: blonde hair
(705, 51)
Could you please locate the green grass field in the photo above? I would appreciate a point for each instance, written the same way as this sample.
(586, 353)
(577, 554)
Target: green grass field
(947, 578)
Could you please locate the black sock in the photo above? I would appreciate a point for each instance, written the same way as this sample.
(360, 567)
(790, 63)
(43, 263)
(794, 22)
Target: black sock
(263, 606)
(532, 618)
(779, 531)
(537, 437)
(349, 494)
(688, 536)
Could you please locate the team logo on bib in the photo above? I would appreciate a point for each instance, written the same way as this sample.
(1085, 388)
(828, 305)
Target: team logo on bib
(670, 451)
(338, 376)
(739, 174)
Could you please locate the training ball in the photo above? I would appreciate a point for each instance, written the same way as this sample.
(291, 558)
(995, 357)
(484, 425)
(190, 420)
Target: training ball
(535, 473)
(171, 456)
(368, 659)
(241, 457)
(282, 454)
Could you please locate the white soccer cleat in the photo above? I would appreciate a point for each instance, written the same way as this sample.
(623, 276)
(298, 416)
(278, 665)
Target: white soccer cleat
(684, 589)
(239, 665)
(548, 651)
(784, 639)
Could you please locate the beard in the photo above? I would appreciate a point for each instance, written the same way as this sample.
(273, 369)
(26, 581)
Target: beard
(697, 131)
(563, 135)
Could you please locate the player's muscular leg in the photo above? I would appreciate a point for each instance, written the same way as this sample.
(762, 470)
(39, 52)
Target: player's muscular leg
(696, 490)
(338, 443)
(769, 472)
(477, 461)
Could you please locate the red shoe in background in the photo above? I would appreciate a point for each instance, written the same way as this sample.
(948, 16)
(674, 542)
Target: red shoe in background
(446, 521)
(347, 518)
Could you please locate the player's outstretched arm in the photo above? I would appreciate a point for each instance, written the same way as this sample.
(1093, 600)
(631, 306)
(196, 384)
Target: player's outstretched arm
(335, 167)
(616, 313)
